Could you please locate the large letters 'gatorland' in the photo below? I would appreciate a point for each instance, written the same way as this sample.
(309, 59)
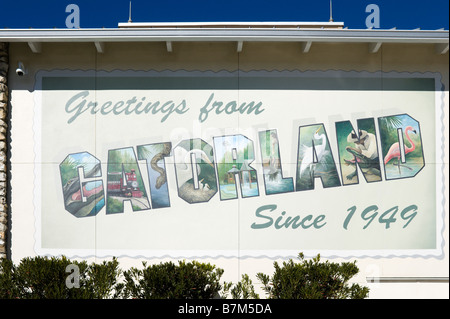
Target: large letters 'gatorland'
(203, 170)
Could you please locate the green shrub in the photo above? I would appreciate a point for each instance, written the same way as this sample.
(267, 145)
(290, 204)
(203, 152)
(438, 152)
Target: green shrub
(311, 279)
(46, 278)
(103, 280)
(51, 278)
(244, 289)
(8, 286)
(193, 280)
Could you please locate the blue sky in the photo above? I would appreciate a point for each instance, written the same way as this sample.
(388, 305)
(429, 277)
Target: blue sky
(402, 14)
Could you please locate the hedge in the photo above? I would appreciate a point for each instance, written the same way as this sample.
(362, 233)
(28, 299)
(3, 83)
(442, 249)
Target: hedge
(61, 278)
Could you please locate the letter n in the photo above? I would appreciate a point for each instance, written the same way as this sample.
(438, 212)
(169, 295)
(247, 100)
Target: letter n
(358, 148)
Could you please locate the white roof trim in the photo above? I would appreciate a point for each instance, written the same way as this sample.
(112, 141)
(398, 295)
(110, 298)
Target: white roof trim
(227, 24)
(224, 34)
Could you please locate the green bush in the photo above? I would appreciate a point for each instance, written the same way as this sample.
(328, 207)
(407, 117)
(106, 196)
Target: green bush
(47, 278)
(8, 286)
(53, 278)
(193, 280)
(103, 280)
(243, 289)
(311, 279)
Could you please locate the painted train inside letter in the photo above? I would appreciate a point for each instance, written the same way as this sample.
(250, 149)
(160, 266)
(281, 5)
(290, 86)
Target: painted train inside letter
(124, 184)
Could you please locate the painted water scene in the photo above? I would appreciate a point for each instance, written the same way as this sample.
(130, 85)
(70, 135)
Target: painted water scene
(234, 155)
(315, 159)
(401, 146)
(82, 198)
(271, 161)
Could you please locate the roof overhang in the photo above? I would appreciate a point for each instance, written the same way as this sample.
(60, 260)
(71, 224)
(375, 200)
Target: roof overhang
(171, 33)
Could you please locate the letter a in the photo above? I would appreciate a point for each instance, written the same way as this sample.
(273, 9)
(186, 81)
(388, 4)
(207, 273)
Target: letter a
(124, 182)
(315, 159)
(373, 19)
(73, 19)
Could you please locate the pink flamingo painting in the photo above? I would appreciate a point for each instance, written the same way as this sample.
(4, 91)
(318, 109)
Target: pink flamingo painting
(394, 150)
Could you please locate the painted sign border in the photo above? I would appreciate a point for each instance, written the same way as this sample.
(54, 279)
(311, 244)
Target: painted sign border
(440, 184)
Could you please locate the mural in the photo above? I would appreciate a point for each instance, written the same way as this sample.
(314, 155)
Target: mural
(124, 182)
(204, 167)
(196, 178)
(401, 146)
(358, 149)
(154, 155)
(234, 154)
(82, 198)
(270, 155)
(315, 159)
